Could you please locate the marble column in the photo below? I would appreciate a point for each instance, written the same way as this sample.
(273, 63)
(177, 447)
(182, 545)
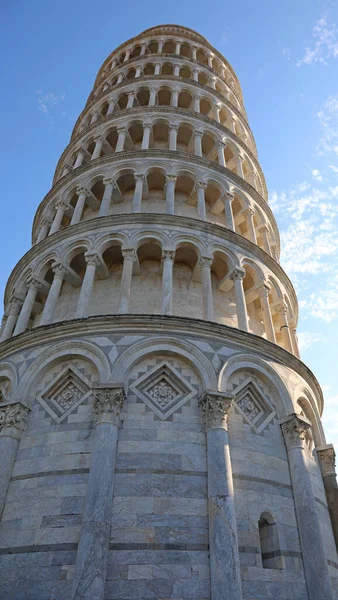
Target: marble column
(98, 147)
(239, 166)
(53, 294)
(237, 275)
(92, 554)
(168, 257)
(120, 78)
(147, 127)
(122, 134)
(225, 577)
(315, 564)
(216, 111)
(79, 158)
(177, 47)
(106, 198)
(264, 293)
(173, 129)
(327, 461)
(160, 46)
(83, 303)
(198, 143)
(170, 194)
(264, 233)
(194, 52)
(229, 217)
(157, 69)
(78, 210)
(94, 117)
(210, 61)
(138, 191)
(13, 417)
(129, 257)
(44, 226)
(174, 98)
(176, 70)
(131, 98)
(195, 73)
(61, 208)
(143, 49)
(197, 104)
(249, 213)
(127, 55)
(294, 339)
(14, 309)
(27, 307)
(200, 190)
(220, 154)
(284, 328)
(111, 107)
(205, 266)
(152, 97)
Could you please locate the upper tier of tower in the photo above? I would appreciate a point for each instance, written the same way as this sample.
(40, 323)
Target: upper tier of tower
(163, 135)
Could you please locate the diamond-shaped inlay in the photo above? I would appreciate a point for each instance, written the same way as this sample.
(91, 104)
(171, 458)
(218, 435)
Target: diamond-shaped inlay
(64, 394)
(163, 389)
(253, 407)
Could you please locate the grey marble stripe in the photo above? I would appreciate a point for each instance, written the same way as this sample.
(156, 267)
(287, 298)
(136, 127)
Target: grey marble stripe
(191, 547)
(39, 548)
(163, 472)
(261, 480)
(50, 474)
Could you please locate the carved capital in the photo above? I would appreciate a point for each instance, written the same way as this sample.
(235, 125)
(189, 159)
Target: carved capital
(129, 254)
(168, 254)
(237, 273)
(294, 428)
(108, 181)
(281, 308)
(147, 125)
(109, 404)
(171, 178)
(327, 459)
(13, 417)
(200, 185)
(215, 407)
(92, 259)
(44, 221)
(61, 205)
(264, 290)
(33, 283)
(139, 177)
(82, 191)
(205, 262)
(228, 196)
(59, 270)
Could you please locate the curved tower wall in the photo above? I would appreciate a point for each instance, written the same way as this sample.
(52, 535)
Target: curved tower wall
(161, 437)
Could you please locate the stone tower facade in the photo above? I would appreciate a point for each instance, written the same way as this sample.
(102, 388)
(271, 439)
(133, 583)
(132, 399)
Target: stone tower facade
(159, 436)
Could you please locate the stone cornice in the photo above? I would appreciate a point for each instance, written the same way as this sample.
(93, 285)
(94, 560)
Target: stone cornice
(183, 32)
(167, 78)
(132, 219)
(164, 325)
(159, 154)
(148, 110)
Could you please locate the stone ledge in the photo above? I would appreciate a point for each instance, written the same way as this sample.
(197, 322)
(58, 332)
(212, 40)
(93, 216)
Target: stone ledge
(160, 324)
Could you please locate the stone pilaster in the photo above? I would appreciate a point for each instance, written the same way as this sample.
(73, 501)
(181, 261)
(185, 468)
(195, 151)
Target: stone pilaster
(315, 564)
(223, 542)
(327, 461)
(92, 554)
(13, 417)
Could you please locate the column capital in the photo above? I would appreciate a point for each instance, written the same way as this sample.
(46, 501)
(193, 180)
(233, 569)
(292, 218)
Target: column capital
(108, 181)
(327, 459)
(215, 407)
(13, 416)
(44, 221)
(61, 205)
(168, 254)
(14, 305)
(147, 125)
(92, 259)
(172, 178)
(198, 133)
(240, 158)
(129, 254)
(109, 401)
(99, 138)
(237, 273)
(281, 308)
(59, 269)
(121, 129)
(250, 211)
(33, 283)
(131, 93)
(205, 262)
(221, 144)
(264, 289)
(294, 427)
(173, 127)
(139, 176)
(263, 228)
(82, 190)
(229, 196)
(201, 185)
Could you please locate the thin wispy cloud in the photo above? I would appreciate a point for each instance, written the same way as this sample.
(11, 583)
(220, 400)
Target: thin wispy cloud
(47, 103)
(328, 118)
(286, 52)
(306, 339)
(324, 43)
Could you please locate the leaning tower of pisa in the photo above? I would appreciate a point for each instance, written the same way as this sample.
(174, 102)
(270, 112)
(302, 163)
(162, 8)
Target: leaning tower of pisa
(160, 437)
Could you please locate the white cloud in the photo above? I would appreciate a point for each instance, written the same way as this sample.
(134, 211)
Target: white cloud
(306, 339)
(333, 168)
(316, 175)
(325, 43)
(287, 53)
(47, 101)
(328, 118)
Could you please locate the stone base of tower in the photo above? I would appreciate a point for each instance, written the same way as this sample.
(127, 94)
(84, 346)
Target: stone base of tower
(159, 544)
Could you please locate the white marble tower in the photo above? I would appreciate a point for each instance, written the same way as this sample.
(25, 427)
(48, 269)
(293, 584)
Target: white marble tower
(160, 437)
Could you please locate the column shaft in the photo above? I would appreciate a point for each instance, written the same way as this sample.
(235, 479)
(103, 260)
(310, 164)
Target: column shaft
(92, 554)
(267, 318)
(60, 211)
(173, 137)
(229, 217)
(77, 214)
(106, 198)
(53, 295)
(250, 225)
(237, 276)
(43, 231)
(167, 281)
(205, 265)
(129, 258)
(11, 320)
(120, 140)
(98, 147)
(83, 303)
(146, 136)
(170, 195)
(137, 200)
(326, 457)
(314, 559)
(198, 143)
(201, 200)
(26, 310)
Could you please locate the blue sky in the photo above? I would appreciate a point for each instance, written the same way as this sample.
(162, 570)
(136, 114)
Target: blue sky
(286, 57)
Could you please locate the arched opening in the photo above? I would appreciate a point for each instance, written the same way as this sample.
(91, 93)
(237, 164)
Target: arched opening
(169, 47)
(184, 196)
(201, 57)
(154, 198)
(131, 74)
(104, 108)
(153, 47)
(251, 284)
(146, 289)
(135, 131)
(107, 293)
(187, 296)
(185, 72)
(205, 107)
(111, 138)
(203, 78)
(209, 148)
(143, 97)
(122, 197)
(161, 134)
(224, 304)
(184, 100)
(149, 69)
(185, 139)
(135, 52)
(269, 542)
(185, 50)
(167, 69)
(93, 201)
(164, 97)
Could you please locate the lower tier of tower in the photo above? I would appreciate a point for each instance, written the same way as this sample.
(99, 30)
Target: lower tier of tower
(153, 457)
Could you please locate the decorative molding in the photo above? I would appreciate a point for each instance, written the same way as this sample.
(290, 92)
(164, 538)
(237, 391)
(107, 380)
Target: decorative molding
(294, 428)
(327, 459)
(216, 407)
